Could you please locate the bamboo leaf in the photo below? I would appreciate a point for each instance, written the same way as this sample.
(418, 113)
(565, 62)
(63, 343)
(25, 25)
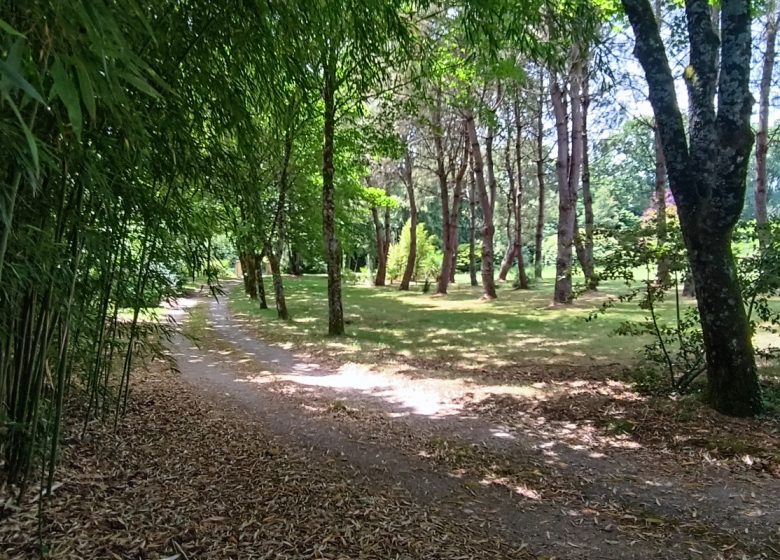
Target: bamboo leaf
(4, 26)
(18, 80)
(31, 143)
(66, 90)
(140, 84)
(87, 90)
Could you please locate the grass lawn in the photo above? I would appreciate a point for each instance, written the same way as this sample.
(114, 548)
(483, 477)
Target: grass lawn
(521, 326)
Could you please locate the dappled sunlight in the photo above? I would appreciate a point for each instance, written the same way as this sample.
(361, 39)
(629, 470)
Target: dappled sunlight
(520, 490)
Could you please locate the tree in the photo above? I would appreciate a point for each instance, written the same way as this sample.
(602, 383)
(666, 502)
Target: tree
(408, 179)
(584, 245)
(707, 172)
(568, 169)
(762, 137)
(350, 44)
(540, 158)
(486, 195)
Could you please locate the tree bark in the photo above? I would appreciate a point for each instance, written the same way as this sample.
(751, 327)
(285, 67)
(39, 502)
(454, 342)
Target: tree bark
(276, 275)
(762, 137)
(412, 258)
(566, 215)
(444, 197)
(486, 205)
(511, 203)
(707, 177)
(332, 245)
(457, 197)
(450, 216)
(568, 167)
(473, 228)
(539, 238)
(258, 271)
(381, 249)
(588, 264)
(663, 276)
(296, 265)
(248, 273)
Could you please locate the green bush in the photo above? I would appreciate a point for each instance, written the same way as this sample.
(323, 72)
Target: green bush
(428, 260)
(462, 262)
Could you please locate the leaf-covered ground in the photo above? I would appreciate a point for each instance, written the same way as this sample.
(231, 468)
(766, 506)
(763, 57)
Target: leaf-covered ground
(186, 478)
(254, 451)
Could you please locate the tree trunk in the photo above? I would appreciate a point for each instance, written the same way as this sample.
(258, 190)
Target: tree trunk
(296, 265)
(444, 196)
(451, 215)
(511, 250)
(762, 137)
(276, 275)
(332, 245)
(258, 272)
(473, 228)
(522, 277)
(588, 264)
(707, 169)
(567, 169)
(663, 276)
(381, 233)
(412, 258)
(249, 274)
(539, 238)
(689, 288)
(733, 386)
(486, 205)
(511, 203)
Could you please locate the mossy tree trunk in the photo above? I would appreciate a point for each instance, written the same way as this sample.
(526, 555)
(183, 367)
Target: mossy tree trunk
(707, 167)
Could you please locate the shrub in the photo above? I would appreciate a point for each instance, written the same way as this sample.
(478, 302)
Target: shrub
(675, 355)
(428, 259)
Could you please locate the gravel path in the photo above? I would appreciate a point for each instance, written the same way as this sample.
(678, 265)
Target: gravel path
(412, 434)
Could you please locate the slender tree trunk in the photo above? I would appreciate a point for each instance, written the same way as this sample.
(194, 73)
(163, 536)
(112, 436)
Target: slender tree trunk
(511, 249)
(473, 228)
(258, 271)
(381, 264)
(412, 258)
(276, 275)
(296, 266)
(588, 264)
(248, 272)
(488, 229)
(522, 277)
(454, 238)
(444, 196)
(451, 215)
(539, 238)
(663, 276)
(332, 245)
(567, 168)
(762, 137)
(511, 203)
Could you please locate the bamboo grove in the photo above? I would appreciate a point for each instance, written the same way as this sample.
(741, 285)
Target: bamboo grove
(135, 132)
(125, 126)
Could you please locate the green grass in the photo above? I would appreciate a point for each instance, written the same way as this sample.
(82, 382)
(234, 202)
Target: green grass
(519, 327)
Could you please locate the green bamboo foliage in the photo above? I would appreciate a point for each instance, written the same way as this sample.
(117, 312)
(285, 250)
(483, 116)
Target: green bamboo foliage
(98, 197)
(134, 130)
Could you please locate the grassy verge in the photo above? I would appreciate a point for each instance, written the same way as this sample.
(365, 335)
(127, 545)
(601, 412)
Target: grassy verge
(519, 327)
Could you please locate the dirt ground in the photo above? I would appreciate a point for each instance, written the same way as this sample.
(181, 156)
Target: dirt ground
(254, 451)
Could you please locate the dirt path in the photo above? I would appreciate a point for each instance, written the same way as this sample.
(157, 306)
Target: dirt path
(529, 483)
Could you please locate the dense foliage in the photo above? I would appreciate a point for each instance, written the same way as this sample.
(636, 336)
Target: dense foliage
(151, 142)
